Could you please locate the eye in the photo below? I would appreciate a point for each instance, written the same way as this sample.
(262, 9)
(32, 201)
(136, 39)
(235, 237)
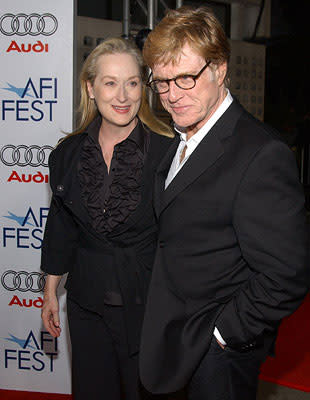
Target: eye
(109, 83)
(133, 83)
(185, 81)
(160, 84)
(185, 78)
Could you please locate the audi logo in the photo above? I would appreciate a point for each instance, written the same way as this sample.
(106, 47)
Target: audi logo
(32, 24)
(23, 155)
(23, 281)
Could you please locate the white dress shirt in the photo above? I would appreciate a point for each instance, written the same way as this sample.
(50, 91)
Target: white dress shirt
(194, 141)
(191, 144)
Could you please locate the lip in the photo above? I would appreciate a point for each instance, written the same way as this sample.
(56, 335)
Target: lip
(179, 109)
(121, 109)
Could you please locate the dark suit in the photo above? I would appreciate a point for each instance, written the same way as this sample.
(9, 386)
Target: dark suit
(231, 252)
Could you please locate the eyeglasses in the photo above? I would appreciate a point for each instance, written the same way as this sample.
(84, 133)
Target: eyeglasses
(185, 82)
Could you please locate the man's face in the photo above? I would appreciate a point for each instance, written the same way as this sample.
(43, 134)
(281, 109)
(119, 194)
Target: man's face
(192, 108)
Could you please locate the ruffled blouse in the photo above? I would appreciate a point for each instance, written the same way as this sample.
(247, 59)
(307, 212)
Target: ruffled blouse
(111, 198)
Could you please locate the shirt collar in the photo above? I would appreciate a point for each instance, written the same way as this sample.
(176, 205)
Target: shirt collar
(137, 135)
(201, 133)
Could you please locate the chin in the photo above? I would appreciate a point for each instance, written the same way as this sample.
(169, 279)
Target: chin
(124, 122)
(183, 122)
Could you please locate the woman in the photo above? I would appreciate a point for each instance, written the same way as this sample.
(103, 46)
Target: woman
(101, 227)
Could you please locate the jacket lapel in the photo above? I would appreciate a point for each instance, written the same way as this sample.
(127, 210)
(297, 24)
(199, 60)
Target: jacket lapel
(66, 185)
(209, 150)
(161, 174)
(205, 155)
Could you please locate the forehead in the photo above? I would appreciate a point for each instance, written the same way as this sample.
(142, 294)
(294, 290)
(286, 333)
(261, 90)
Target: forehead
(117, 64)
(187, 61)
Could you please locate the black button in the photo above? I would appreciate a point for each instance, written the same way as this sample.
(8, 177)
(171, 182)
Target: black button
(60, 188)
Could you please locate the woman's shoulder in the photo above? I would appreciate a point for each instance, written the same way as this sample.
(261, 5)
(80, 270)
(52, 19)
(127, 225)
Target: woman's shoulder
(66, 147)
(71, 140)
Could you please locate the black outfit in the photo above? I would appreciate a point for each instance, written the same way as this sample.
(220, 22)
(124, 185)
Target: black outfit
(101, 229)
(100, 359)
(232, 253)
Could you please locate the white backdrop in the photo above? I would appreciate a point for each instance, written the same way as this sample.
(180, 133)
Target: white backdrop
(36, 95)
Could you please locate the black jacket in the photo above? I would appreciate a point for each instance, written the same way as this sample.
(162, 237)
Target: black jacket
(232, 249)
(71, 245)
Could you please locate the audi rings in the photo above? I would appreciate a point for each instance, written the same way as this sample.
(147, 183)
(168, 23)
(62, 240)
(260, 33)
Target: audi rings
(23, 281)
(23, 155)
(32, 24)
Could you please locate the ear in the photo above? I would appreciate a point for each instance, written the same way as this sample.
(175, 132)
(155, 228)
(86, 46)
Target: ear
(90, 90)
(221, 72)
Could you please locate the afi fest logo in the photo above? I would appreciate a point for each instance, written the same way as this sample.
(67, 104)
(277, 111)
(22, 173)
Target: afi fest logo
(28, 25)
(25, 230)
(30, 352)
(33, 100)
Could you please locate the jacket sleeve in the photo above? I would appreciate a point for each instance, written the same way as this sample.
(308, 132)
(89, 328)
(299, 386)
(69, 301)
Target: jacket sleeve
(60, 236)
(269, 220)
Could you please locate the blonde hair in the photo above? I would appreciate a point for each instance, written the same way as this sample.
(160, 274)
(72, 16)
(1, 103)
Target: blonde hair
(197, 27)
(88, 110)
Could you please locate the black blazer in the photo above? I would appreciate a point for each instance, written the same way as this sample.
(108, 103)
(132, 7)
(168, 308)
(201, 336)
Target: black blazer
(71, 245)
(231, 252)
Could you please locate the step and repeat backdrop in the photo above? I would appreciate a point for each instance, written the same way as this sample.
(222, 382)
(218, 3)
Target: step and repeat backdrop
(36, 107)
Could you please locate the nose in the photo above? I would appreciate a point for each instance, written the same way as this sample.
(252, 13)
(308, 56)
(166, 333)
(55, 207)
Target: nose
(175, 93)
(122, 93)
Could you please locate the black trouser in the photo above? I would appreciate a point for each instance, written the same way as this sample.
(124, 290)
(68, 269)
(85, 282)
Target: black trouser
(101, 366)
(226, 375)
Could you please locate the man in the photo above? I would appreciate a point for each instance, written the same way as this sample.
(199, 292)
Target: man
(231, 259)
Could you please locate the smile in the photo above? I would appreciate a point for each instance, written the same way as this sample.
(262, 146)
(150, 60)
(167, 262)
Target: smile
(121, 109)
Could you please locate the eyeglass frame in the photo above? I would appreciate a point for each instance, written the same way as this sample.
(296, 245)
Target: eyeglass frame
(194, 77)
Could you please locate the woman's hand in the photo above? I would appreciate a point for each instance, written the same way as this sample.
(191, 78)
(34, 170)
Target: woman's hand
(50, 309)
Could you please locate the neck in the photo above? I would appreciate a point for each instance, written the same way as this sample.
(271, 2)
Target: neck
(191, 130)
(113, 134)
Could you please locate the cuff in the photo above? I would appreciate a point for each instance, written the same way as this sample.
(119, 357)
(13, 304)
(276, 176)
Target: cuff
(218, 336)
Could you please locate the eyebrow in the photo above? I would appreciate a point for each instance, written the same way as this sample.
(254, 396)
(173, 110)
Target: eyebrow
(155, 78)
(115, 77)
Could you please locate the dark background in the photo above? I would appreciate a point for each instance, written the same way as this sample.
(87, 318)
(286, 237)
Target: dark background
(287, 81)
(288, 64)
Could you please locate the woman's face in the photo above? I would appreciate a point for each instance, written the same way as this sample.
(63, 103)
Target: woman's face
(117, 89)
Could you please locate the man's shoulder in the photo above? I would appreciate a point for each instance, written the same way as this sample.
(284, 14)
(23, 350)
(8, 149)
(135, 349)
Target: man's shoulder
(159, 144)
(160, 140)
(255, 132)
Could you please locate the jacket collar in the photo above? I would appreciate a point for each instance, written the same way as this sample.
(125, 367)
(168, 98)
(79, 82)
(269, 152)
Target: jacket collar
(209, 151)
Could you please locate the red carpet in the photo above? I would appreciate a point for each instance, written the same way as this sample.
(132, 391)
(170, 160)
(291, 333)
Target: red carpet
(19, 395)
(291, 366)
